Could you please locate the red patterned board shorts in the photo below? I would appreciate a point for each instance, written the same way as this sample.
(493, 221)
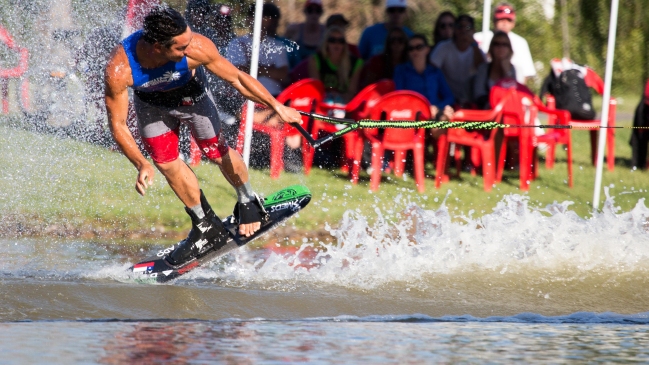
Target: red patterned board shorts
(159, 127)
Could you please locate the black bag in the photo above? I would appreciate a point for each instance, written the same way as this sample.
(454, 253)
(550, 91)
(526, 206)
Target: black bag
(571, 93)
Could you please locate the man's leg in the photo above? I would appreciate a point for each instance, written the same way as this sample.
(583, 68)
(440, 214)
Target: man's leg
(236, 172)
(182, 181)
(205, 126)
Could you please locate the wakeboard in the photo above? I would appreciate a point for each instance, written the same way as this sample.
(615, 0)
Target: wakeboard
(280, 206)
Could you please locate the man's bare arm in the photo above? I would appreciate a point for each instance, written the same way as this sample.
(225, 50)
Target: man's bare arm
(202, 51)
(117, 79)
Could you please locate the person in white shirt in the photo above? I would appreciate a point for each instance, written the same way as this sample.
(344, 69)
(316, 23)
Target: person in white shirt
(505, 21)
(273, 59)
(459, 58)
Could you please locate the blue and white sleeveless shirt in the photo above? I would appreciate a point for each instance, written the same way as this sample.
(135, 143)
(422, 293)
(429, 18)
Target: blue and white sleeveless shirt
(168, 85)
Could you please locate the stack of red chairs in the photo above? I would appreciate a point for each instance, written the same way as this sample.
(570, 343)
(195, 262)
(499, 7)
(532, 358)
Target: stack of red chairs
(304, 95)
(520, 107)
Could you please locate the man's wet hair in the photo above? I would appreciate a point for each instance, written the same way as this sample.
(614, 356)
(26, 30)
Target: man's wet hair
(162, 24)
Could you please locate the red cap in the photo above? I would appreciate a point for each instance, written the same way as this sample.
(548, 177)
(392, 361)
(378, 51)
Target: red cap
(646, 93)
(505, 12)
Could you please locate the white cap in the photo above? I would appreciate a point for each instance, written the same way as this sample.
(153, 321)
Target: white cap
(395, 4)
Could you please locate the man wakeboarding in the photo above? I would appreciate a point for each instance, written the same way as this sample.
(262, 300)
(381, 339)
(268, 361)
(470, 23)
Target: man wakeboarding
(164, 64)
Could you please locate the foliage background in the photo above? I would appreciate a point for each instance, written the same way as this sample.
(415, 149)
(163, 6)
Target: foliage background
(587, 26)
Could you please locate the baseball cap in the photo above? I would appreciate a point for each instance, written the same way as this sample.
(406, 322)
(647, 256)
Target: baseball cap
(504, 11)
(336, 19)
(312, 3)
(395, 4)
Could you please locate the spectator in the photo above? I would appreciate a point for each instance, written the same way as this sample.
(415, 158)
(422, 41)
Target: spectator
(273, 75)
(273, 59)
(197, 15)
(373, 37)
(640, 135)
(215, 23)
(220, 20)
(459, 58)
(505, 21)
(420, 76)
(338, 70)
(307, 35)
(443, 28)
(338, 20)
(382, 65)
(500, 67)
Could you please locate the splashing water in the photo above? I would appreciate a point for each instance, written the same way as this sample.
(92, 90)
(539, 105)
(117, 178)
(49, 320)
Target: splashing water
(421, 245)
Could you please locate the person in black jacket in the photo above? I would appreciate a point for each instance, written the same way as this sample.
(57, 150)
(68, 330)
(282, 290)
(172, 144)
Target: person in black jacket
(640, 137)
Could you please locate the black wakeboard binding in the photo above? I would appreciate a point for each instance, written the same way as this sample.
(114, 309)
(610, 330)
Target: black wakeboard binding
(207, 233)
(251, 212)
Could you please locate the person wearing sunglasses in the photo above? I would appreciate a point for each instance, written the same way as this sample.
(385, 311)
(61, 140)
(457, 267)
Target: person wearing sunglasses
(308, 34)
(382, 65)
(333, 64)
(373, 37)
(505, 21)
(420, 76)
(459, 58)
(489, 74)
(273, 59)
(443, 28)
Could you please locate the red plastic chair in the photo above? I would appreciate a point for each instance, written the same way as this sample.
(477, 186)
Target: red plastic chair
(358, 108)
(521, 108)
(304, 95)
(593, 80)
(484, 142)
(397, 105)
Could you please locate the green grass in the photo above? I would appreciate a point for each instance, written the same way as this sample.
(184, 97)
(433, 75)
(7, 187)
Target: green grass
(63, 182)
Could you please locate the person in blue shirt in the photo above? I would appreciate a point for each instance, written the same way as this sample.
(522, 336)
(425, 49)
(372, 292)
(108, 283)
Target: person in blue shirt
(420, 76)
(373, 37)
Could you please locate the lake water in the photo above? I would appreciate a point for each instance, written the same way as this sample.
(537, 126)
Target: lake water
(516, 285)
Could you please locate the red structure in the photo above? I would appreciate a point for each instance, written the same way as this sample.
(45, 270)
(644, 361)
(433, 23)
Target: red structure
(16, 72)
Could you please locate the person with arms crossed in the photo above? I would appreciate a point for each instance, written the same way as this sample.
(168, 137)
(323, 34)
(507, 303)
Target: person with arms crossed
(164, 64)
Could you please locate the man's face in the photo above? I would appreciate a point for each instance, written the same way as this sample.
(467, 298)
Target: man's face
(269, 25)
(504, 25)
(464, 30)
(179, 48)
(396, 16)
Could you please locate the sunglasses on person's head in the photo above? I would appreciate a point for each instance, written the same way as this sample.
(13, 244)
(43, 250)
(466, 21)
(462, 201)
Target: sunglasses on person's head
(336, 40)
(418, 47)
(397, 40)
(396, 10)
(313, 10)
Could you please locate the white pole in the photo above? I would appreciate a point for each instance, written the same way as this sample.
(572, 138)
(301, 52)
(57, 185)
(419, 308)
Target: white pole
(486, 19)
(254, 67)
(605, 101)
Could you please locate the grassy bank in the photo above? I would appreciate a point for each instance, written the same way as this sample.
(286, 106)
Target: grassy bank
(59, 186)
